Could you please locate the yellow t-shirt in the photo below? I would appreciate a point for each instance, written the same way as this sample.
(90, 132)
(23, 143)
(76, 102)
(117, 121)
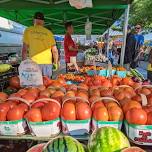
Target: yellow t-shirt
(149, 68)
(39, 40)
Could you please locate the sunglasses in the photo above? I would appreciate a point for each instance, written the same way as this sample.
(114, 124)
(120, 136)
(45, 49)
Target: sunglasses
(137, 28)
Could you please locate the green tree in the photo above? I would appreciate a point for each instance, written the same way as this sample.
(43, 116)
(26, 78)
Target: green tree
(141, 13)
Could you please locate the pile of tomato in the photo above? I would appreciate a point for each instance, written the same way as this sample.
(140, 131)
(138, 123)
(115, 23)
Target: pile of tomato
(79, 102)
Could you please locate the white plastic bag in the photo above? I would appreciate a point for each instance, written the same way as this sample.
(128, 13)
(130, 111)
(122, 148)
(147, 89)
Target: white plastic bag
(30, 73)
(79, 4)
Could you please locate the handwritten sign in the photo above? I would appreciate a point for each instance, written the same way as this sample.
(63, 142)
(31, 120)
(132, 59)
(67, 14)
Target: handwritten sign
(30, 73)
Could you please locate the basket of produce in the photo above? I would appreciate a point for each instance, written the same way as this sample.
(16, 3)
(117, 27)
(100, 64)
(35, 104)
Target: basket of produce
(121, 72)
(106, 112)
(43, 117)
(112, 73)
(12, 120)
(138, 115)
(76, 116)
(102, 72)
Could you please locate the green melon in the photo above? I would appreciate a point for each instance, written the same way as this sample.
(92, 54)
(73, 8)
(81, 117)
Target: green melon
(64, 144)
(107, 139)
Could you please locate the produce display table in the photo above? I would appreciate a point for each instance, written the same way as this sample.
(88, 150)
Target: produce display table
(34, 138)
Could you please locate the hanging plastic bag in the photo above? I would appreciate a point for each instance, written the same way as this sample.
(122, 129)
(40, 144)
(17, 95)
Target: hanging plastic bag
(79, 4)
(88, 29)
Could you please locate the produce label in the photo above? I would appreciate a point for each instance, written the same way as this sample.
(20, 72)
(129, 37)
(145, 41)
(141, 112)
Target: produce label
(100, 124)
(45, 129)
(30, 74)
(139, 134)
(76, 127)
(13, 127)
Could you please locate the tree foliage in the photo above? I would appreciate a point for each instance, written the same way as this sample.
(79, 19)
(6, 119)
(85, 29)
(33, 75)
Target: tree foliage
(141, 13)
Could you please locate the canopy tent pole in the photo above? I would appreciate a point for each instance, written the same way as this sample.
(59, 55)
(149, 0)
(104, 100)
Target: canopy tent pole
(107, 47)
(124, 34)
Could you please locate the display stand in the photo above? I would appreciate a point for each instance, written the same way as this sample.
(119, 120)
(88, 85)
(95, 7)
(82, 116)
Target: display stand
(34, 138)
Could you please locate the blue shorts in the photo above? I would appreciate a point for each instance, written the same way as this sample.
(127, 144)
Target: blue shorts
(46, 69)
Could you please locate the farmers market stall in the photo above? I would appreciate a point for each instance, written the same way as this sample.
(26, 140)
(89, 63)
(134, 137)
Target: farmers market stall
(92, 106)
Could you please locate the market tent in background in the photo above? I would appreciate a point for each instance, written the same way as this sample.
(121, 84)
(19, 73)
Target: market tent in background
(102, 15)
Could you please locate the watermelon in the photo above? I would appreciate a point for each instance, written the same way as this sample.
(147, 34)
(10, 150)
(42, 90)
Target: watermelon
(107, 139)
(64, 144)
(133, 149)
(37, 148)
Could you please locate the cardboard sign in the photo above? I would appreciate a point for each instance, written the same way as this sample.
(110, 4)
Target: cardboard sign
(30, 73)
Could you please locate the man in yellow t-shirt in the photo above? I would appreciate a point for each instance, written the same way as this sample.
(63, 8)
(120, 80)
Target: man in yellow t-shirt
(40, 44)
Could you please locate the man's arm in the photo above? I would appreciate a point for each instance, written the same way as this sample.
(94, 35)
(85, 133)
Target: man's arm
(72, 48)
(24, 51)
(55, 54)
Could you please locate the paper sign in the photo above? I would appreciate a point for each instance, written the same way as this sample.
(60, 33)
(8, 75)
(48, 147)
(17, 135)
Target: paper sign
(79, 4)
(30, 73)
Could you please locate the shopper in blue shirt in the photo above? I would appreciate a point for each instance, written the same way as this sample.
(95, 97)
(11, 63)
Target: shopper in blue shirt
(138, 45)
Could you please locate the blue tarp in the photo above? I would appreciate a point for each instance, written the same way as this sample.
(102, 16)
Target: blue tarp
(59, 38)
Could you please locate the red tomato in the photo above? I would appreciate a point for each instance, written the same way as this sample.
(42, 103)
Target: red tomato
(61, 81)
(83, 85)
(12, 104)
(95, 92)
(93, 98)
(149, 98)
(21, 92)
(68, 111)
(70, 94)
(14, 82)
(131, 104)
(34, 115)
(58, 94)
(3, 96)
(45, 92)
(149, 118)
(83, 111)
(15, 95)
(23, 106)
(137, 98)
(115, 113)
(41, 87)
(147, 109)
(4, 107)
(97, 105)
(127, 81)
(145, 91)
(47, 81)
(82, 95)
(107, 83)
(29, 97)
(15, 113)
(110, 104)
(136, 116)
(106, 93)
(33, 91)
(50, 111)
(101, 114)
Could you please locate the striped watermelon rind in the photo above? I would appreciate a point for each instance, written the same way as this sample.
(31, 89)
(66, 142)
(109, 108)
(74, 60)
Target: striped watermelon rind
(107, 139)
(63, 144)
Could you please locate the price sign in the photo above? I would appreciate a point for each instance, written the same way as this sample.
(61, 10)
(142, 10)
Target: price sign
(30, 73)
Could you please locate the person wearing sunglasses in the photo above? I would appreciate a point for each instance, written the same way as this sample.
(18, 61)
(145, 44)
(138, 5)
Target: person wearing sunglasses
(149, 67)
(138, 45)
(130, 48)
